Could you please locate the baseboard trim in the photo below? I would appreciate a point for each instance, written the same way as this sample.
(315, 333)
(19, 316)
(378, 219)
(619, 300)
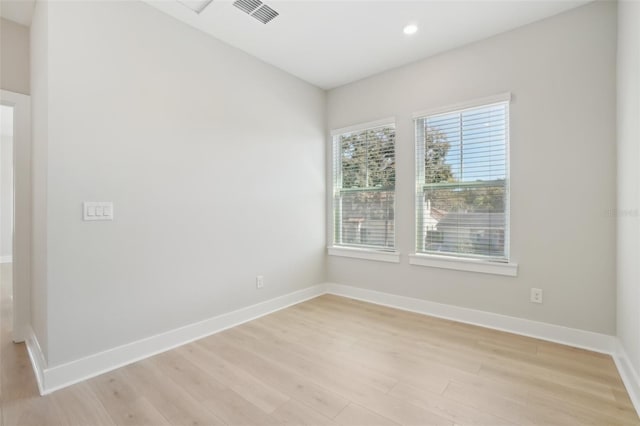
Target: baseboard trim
(37, 358)
(60, 376)
(554, 333)
(6, 259)
(628, 374)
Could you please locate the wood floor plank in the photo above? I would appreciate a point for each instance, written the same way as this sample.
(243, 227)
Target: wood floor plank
(325, 359)
(125, 406)
(283, 379)
(294, 413)
(355, 415)
(545, 410)
(495, 404)
(567, 393)
(244, 384)
(219, 399)
(457, 412)
(174, 403)
(79, 406)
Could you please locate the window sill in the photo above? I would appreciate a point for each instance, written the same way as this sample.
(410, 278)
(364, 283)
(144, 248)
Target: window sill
(367, 254)
(470, 265)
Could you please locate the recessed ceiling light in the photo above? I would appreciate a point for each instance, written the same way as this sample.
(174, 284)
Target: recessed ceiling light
(196, 5)
(410, 29)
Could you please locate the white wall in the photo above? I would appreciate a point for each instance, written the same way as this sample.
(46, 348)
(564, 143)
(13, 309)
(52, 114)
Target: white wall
(629, 179)
(561, 72)
(6, 184)
(214, 162)
(14, 57)
(39, 51)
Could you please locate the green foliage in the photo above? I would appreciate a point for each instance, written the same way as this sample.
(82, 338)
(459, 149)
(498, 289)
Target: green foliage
(436, 148)
(488, 199)
(368, 159)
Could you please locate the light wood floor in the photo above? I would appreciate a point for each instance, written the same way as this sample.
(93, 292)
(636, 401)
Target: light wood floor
(334, 361)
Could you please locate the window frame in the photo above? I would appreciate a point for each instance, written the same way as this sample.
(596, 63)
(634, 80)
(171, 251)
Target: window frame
(384, 254)
(486, 264)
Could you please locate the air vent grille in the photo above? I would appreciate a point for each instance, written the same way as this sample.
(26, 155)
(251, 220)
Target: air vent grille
(257, 9)
(247, 6)
(264, 14)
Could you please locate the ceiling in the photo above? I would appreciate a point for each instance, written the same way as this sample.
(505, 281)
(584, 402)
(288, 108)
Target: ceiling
(334, 42)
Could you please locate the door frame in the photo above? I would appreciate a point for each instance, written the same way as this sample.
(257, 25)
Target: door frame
(21, 211)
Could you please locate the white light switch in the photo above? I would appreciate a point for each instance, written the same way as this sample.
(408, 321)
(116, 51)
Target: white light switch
(97, 210)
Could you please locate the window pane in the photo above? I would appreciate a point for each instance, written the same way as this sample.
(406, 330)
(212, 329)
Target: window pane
(468, 221)
(367, 218)
(364, 188)
(462, 188)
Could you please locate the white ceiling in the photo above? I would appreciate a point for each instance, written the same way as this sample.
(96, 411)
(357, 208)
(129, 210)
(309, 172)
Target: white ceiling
(333, 42)
(19, 11)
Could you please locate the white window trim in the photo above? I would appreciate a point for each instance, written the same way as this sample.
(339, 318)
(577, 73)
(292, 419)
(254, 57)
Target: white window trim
(462, 264)
(461, 106)
(389, 121)
(364, 253)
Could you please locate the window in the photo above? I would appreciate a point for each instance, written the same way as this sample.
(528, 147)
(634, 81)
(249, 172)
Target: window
(462, 186)
(364, 180)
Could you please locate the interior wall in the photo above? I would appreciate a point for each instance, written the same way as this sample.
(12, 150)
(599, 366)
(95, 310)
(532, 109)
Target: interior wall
(14, 57)
(561, 73)
(39, 51)
(213, 159)
(627, 214)
(6, 184)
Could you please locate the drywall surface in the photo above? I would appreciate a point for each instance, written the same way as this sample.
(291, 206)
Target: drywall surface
(628, 179)
(561, 72)
(14, 57)
(6, 184)
(39, 37)
(214, 162)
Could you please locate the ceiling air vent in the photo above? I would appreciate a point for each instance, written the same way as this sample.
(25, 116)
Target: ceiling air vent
(255, 8)
(247, 6)
(264, 14)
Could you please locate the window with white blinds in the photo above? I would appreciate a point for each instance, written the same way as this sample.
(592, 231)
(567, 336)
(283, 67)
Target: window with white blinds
(364, 180)
(462, 191)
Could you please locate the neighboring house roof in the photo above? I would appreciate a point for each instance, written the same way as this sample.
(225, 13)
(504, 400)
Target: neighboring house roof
(472, 220)
(437, 214)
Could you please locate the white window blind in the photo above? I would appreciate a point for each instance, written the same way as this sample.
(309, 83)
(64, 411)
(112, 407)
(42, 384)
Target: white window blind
(364, 180)
(462, 186)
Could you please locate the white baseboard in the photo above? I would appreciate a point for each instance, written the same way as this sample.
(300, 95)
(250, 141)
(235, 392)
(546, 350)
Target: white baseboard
(60, 376)
(555, 333)
(629, 375)
(37, 359)
(6, 259)
(57, 377)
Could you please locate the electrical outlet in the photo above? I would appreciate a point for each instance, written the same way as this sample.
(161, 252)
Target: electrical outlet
(536, 295)
(259, 281)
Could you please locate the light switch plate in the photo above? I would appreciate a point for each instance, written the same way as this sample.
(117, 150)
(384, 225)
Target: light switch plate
(97, 210)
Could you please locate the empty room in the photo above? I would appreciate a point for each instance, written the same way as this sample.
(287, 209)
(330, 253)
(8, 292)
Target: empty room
(319, 212)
